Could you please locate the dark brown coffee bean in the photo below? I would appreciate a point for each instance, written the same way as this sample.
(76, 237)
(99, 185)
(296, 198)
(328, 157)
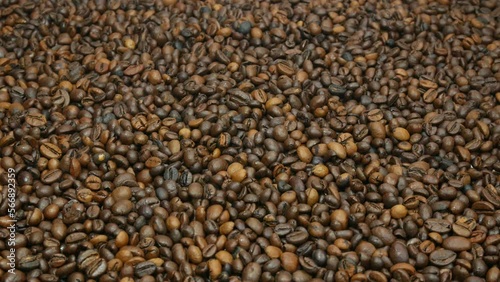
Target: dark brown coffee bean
(285, 69)
(34, 217)
(50, 176)
(491, 195)
(29, 262)
(252, 272)
(76, 238)
(483, 207)
(398, 252)
(442, 257)
(283, 229)
(336, 89)
(384, 235)
(96, 268)
(457, 243)
(438, 225)
(35, 119)
(427, 247)
(375, 115)
(464, 226)
(145, 268)
(133, 70)
(430, 95)
(87, 258)
(50, 151)
(57, 260)
(93, 182)
(122, 207)
(297, 237)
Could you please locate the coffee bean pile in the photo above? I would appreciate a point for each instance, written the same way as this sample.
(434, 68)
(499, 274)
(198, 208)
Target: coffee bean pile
(295, 140)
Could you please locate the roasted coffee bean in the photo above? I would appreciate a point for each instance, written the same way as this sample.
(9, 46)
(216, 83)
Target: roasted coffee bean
(75, 238)
(86, 258)
(398, 252)
(97, 268)
(29, 262)
(442, 257)
(285, 69)
(50, 151)
(145, 268)
(252, 272)
(336, 89)
(438, 225)
(457, 243)
(36, 119)
(283, 229)
(50, 176)
(464, 226)
(57, 260)
(297, 237)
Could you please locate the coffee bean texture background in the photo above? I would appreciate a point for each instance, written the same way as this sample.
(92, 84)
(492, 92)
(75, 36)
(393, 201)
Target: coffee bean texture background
(294, 140)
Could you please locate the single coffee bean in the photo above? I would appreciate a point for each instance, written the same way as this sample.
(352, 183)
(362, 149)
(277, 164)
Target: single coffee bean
(336, 89)
(29, 262)
(289, 261)
(209, 251)
(457, 243)
(398, 252)
(297, 237)
(442, 257)
(144, 268)
(50, 176)
(437, 225)
(87, 258)
(384, 234)
(96, 268)
(464, 226)
(36, 119)
(285, 69)
(50, 151)
(252, 272)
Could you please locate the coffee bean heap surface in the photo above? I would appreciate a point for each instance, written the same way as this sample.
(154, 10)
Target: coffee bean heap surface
(295, 140)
